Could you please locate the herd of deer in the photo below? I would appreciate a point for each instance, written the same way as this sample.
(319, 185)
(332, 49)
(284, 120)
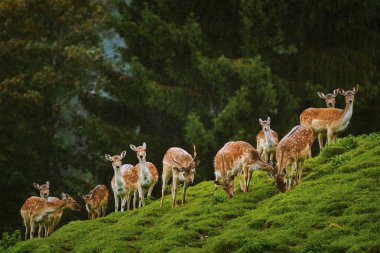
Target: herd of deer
(235, 159)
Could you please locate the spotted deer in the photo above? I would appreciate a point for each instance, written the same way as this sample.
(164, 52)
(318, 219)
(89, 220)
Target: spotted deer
(330, 103)
(330, 120)
(179, 165)
(35, 211)
(96, 201)
(148, 174)
(267, 141)
(292, 151)
(234, 159)
(124, 182)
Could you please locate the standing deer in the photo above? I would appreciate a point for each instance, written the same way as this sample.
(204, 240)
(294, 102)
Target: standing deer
(181, 166)
(235, 158)
(267, 141)
(330, 103)
(35, 210)
(330, 120)
(44, 189)
(124, 182)
(148, 174)
(96, 201)
(293, 150)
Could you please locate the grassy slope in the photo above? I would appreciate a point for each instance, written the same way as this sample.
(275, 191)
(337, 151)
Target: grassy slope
(335, 209)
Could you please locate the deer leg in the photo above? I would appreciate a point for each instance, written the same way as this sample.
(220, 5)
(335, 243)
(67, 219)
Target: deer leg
(300, 168)
(26, 230)
(241, 181)
(266, 156)
(123, 201)
(174, 191)
(134, 199)
(330, 134)
(245, 171)
(141, 195)
(31, 229)
(116, 197)
(271, 156)
(185, 185)
(249, 178)
(150, 190)
(163, 188)
(293, 167)
(320, 141)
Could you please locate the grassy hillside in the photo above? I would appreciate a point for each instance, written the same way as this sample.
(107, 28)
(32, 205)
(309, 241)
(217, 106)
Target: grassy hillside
(335, 209)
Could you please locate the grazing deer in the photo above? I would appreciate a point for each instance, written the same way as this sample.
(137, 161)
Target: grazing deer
(330, 120)
(293, 150)
(330, 103)
(124, 182)
(267, 141)
(148, 174)
(36, 210)
(181, 166)
(234, 158)
(96, 201)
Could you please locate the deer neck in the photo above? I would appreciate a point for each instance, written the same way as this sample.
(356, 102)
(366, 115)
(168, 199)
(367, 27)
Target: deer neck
(49, 209)
(118, 177)
(144, 172)
(346, 115)
(269, 138)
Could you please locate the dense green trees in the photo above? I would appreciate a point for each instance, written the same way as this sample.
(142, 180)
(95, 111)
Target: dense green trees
(186, 72)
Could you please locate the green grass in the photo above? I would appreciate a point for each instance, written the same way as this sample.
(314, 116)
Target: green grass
(335, 209)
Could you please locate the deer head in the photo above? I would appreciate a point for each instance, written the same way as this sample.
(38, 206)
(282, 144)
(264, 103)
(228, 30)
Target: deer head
(265, 124)
(329, 98)
(349, 95)
(70, 202)
(44, 189)
(279, 179)
(188, 171)
(140, 151)
(116, 159)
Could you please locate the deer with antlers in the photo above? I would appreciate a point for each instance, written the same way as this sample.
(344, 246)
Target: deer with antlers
(124, 182)
(179, 165)
(330, 103)
(148, 174)
(36, 210)
(96, 201)
(331, 121)
(292, 151)
(267, 141)
(234, 159)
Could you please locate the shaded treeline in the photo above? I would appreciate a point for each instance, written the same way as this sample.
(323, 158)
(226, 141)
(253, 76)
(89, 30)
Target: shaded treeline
(198, 72)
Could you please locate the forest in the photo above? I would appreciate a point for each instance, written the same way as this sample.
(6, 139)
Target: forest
(81, 79)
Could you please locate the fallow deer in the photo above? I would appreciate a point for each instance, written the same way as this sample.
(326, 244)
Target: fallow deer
(96, 201)
(124, 182)
(267, 141)
(179, 165)
(293, 150)
(44, 189)
(235, 158)
(35, 210)
(330, 103)
(148, 174)
(330, 120)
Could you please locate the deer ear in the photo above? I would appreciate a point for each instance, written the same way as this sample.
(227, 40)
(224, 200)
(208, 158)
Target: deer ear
(37, 186)
(48, 183)
(260, 121)
(355, 89)
(268, 119)
(133, 147)
(197, 162)
(80, 195)
(122, 155)
(144, 145)
(321, 95)
(335, 92)
(108, 157)
(64, 195)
